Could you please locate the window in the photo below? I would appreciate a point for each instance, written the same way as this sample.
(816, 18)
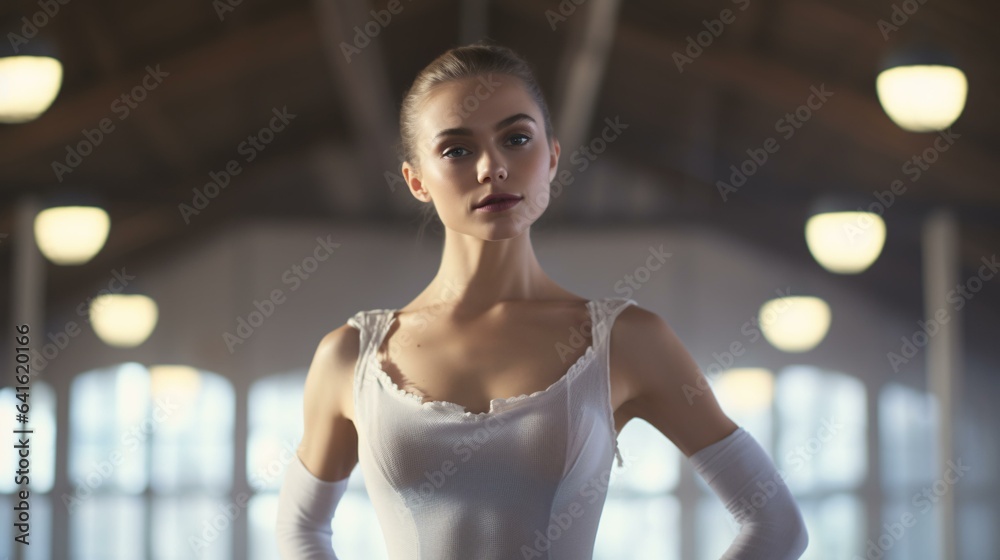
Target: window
(41, 419)
(812, 422)
(150, 463)
(641, 517)
(907, 420)
(275, 430)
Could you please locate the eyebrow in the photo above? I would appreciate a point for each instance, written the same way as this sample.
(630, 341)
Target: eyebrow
(466, 132)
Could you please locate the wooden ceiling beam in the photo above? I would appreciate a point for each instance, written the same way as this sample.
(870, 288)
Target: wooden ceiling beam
(475, 22)
(965, 169)
(234, 56)
(359, 70)
(165, 143)
(585, 60)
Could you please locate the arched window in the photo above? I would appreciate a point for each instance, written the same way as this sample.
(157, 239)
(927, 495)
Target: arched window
(641, 517)
(42, 442)
(275, 430)
(150, 463)
(813, 424)
(909, 453)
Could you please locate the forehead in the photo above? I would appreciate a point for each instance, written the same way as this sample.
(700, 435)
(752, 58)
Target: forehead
(476, 102)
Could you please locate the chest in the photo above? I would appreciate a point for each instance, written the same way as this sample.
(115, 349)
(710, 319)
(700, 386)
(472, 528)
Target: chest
(470, 363)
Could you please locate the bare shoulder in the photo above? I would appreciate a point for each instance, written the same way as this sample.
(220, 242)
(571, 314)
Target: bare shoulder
(331, 372)
(329, 440)
(665, 385)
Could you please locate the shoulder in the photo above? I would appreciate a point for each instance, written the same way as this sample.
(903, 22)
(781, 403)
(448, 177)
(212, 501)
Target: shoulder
(634, 326)
(332, 369)
(646, 344)
(342, 343)
(665, 385)
(640, 340)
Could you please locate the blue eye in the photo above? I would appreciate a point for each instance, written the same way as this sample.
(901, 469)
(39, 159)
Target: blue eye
(523, 137)
(450, 151)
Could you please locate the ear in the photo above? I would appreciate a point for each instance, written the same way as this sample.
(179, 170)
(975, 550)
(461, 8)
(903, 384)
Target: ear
(554, 159)
(412, 178)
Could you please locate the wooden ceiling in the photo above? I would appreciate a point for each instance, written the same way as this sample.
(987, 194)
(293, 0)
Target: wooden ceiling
(229, 64)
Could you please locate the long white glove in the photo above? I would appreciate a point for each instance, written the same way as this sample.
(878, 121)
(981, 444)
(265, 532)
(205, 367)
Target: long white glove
(306, 506)
(745, 478)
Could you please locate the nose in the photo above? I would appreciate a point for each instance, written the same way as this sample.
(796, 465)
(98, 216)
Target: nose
(491, 168)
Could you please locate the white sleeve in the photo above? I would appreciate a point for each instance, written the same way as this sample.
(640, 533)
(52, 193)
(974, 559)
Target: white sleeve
(306, 505)
(745, 478)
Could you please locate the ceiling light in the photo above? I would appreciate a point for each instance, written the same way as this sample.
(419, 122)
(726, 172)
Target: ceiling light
(71, 234)
(123, 320)
(795, 323)
(845, 242)
(921, 88)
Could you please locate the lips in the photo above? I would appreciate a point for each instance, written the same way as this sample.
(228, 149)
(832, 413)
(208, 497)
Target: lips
(498, 197)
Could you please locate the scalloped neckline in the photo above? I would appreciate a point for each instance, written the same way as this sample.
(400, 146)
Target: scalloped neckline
(497, 405)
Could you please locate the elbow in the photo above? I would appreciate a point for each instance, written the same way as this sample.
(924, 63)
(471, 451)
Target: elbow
(301, 541)
(799, 540)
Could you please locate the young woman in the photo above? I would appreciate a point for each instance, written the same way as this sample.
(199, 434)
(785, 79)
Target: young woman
(485, 413)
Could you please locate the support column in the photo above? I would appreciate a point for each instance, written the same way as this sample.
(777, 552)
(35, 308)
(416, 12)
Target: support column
(941, 274)
(28, 307)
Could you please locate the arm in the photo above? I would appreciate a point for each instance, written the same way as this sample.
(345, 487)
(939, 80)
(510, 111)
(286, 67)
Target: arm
(666, 388)
(329, 448)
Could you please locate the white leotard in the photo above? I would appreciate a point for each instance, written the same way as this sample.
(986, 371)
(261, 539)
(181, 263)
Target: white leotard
(527, 479)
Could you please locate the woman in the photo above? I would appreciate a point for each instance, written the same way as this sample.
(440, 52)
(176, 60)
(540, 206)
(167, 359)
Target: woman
(485, 412)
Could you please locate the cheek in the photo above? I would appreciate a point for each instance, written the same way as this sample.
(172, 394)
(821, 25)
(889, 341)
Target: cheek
(540, 163)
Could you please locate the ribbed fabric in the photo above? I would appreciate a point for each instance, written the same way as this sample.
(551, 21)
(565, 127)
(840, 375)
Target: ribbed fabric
(748, 483)
(527, 479)
(306, 505)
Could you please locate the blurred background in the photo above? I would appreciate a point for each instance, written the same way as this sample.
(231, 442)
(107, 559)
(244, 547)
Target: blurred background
(193, 193)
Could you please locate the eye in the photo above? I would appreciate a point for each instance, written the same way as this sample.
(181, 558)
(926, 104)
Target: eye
(523, 136)
(446, 156)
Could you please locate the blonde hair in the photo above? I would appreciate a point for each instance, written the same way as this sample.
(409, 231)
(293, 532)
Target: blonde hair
(469, 61)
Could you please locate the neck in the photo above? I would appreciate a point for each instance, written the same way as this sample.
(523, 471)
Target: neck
(476, 274)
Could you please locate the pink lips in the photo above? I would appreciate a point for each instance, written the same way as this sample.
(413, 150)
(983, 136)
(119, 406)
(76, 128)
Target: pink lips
(499, 205)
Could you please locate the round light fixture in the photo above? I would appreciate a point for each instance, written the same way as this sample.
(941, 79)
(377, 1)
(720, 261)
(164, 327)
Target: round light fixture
(921, 88)
(845, 242)
(794, 323)
(69, 235)
(123, 320)
(30, 78)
